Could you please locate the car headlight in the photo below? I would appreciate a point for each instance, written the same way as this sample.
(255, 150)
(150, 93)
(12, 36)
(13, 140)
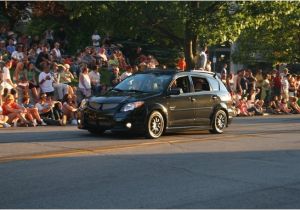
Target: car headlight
(132, 106)
(83, 103)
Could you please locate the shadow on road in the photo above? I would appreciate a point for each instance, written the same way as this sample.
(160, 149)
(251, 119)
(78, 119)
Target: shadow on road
(252, 179)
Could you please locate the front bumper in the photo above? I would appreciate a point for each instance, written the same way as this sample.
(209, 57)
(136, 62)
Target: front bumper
(90, 119)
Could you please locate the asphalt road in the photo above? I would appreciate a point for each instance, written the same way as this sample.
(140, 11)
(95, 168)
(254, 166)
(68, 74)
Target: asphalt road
(254, 164)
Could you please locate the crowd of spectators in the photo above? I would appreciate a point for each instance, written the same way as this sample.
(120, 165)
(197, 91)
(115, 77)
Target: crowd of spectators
(274, 92)
(40, 84)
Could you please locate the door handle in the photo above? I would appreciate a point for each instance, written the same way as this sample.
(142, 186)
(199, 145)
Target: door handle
(192, 99)
(214, 97)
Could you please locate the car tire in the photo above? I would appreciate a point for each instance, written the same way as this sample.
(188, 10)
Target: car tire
(219, 122)
(96, 132)
(155, 125)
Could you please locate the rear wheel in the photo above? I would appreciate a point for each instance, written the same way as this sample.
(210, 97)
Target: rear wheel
(155, 125)
(219, 122)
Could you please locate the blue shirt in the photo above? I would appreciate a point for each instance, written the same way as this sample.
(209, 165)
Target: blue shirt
(11, 48)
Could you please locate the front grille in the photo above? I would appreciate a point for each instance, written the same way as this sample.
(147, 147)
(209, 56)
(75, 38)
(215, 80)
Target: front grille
(95, 105)
(99, 106)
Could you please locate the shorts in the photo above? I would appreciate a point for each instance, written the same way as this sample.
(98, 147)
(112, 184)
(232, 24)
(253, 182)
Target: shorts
(50, 94)
(31, 85)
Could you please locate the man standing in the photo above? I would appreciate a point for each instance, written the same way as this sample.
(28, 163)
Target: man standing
(224, 71)
(96, 39)
(127, 73)
(55, 52)
(95, 80)
(43, 57)
(201, 59)
(285, 84)
(181, 65)
(5, 80)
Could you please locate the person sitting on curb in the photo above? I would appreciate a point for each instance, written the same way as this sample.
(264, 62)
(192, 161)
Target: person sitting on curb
(293, 104)
(50, 110)
(3, 119)
(15, 112)
(33, 111)
(284, 106)
(69, 109)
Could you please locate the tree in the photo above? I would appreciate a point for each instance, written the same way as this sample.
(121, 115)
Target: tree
(14, 11)
(178, 25)
(276, 39)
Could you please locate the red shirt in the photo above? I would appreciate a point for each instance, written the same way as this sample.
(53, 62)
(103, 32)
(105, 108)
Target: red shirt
(181, 64)
(14, 105)
(277, 82)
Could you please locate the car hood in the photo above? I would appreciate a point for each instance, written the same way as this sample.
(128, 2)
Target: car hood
(118, 98)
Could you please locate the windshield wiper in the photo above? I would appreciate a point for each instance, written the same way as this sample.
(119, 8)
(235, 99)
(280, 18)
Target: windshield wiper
(136, 91)
(117, 89)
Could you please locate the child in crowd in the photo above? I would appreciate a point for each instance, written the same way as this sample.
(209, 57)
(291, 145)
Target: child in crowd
(243, 108)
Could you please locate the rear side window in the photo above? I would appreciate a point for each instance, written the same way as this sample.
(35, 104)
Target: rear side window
(214, 84)
(200, 84)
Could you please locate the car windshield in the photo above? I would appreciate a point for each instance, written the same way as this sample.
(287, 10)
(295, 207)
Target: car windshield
(144, 83)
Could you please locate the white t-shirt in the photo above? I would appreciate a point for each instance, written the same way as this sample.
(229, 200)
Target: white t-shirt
(57, 52)
(41, 107)
(47, 85)
(86, 81)
(285, 84)
(95, 77)
(6, 76)
(96, 39)
(17, 55)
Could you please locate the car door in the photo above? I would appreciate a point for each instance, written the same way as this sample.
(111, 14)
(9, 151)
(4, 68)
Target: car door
(180, 106)
(203, 99)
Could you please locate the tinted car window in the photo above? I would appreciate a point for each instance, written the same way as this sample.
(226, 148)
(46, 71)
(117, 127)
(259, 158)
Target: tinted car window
(145, 83)
(183, 83)
(200, 84)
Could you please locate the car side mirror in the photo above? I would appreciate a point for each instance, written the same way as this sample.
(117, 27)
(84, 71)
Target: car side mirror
(175, 91)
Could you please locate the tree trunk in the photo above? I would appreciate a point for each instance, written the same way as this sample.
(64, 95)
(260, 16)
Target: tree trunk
(188, 46)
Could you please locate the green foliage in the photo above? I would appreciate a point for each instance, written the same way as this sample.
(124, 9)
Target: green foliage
(266, 28)
(272, 38)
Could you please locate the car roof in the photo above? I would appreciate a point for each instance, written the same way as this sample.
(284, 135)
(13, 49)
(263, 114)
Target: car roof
(175, 71)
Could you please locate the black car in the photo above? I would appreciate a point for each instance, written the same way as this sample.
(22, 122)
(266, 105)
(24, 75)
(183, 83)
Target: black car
(156, 101)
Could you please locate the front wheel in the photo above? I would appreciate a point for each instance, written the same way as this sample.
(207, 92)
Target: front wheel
(219, 122)
(155, 125)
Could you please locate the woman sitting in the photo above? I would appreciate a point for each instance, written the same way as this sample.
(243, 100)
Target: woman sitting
(69, 109)
(294, 105)
(3, 119)
(284, 106)
(15, 112)
(274, 106)
(243, 108)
